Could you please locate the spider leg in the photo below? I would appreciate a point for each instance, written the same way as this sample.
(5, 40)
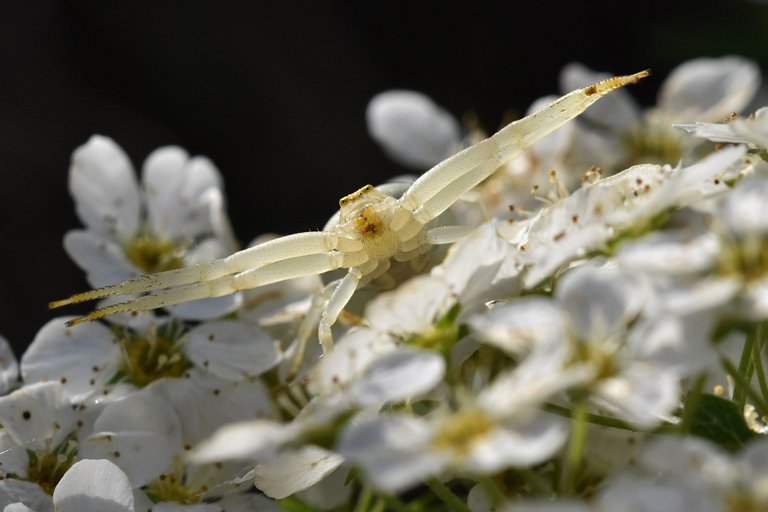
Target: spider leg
(447, 234)
(440, 187)
(339, 298)
(300, 244)
(309, 325)
(224, 285)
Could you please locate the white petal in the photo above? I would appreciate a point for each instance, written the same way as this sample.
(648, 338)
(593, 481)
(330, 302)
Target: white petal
(600, 301)
(397, 376)
(392, 450)
(83, 358)
(638, 494)
(332, 492)
(9, 368)
(20, 491)
(37, 416)
(518, 446)
(175, 188)
(14, 459)
(204, 402)
(348, 359)
(707, 89)
(643, 393)
(207, 309)
(102, 259)
(141, 411)
(743, 210)
(103, 183)
(671, 252)
(17, 507)
(141, 455)
(692, 460)
(245, 440)
(294, 471)
(93, 485)
(412, 129)
(231, 349)
(472, 264)
(753, 129)
(713, 131)
(616, 111)
(411, 308)
(521, 326)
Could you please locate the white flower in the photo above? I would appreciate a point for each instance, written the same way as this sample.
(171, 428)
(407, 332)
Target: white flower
(498, 428)
(620, 207)
(86, 357)
(721, 267)
(174, 219)
(683, 474)
(703, 89)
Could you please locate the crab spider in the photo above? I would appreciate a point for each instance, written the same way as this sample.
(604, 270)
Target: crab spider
(373, 227)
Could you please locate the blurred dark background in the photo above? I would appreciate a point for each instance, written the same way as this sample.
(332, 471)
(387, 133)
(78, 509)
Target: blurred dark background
(275, 94)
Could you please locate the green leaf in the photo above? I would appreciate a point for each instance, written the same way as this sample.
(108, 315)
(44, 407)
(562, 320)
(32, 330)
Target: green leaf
(720, 421)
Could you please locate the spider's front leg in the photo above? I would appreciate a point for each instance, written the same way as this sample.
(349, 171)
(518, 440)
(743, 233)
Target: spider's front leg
(437, 189)
(284, 258)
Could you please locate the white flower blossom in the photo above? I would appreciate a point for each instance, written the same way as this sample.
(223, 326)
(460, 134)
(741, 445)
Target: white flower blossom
(173, 219)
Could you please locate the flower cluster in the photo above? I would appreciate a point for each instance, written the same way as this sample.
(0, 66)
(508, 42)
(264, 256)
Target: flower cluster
(597, 342)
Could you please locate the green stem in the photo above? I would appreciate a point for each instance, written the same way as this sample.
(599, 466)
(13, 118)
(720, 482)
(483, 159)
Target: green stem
(364, 499)
(692, 402)
(744, 370)
(760, 404)
(379, 505)
(575, 448)
(606, 421)
(447, 497)
(757, 359)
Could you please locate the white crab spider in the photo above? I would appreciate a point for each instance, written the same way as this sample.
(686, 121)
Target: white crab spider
(373, 227)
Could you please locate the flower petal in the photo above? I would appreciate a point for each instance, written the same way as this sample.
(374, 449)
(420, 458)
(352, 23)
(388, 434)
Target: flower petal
(101, 258)
(294, 471)
(83, 358)
(175, 187)
(9, 368)
(37, 416)
(398, 375)
(707, 89)
(103, 184)
(93, 485)
(231, 349)
(412, 129)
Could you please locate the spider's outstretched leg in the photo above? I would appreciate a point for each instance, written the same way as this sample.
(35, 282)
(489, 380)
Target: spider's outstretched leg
(271, 273)
(440, 187)
(300, 244)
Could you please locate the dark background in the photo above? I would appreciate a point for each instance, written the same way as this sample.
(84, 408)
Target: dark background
(275, 94)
